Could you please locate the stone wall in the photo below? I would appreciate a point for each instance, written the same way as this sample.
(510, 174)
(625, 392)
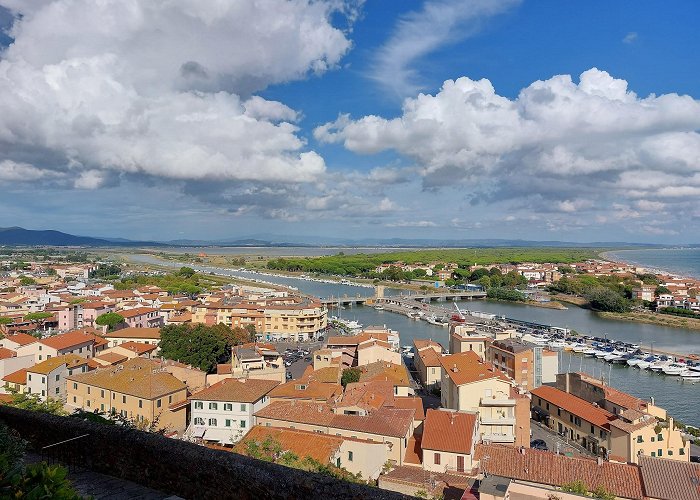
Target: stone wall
(177, 467)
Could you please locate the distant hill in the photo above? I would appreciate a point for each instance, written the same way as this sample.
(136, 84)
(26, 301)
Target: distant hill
(13, 236)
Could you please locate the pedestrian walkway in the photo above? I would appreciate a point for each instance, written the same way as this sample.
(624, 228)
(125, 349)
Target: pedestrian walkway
(99, 486)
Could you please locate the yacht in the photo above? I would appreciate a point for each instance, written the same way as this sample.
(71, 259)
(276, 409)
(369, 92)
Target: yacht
(690, 375)
(659, 365)
(556, 344)
(646, 362)
(674, 368)
(613, 355)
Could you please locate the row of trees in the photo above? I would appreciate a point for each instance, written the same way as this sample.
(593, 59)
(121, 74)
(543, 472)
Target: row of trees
(185, 280)
(200, 345)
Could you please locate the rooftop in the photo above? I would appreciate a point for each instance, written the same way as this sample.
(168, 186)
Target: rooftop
(70, 360)
(545, 467)
(236, 390)
(450, 431)
(321, 447)
(135, 333)
(466, 368)
(70, 339)
(670, 479)
(576, 406)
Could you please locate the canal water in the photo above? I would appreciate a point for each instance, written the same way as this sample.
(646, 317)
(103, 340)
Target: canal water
(681, 399)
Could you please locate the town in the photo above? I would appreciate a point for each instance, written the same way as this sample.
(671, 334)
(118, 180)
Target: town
(262, 372)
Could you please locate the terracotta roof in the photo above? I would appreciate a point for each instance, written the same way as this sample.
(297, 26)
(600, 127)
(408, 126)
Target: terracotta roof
(70, 360)
(576, 406)
(7, 353)
(385, 371)
(423, 343)
(22, 339)
(383, 421)
(368, 395)
(138, 347)
(135, 377)
(321, 447)
(411, 402)
(467, 367)
(70, 339)
(451, 431)
(138, 311)
(111, 358)
(135, 333)
(670, 479)
(429, 357)
(18, 377)
(615, 396)
(545, 467)
(236, 390)
(312, 389)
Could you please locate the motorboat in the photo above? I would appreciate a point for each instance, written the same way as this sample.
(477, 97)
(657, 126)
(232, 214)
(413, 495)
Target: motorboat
(659, 365)
(646, 362)
(602, 353)
(674, 368)
(580, 348)
(690, 375)
(622, 360)
(590, 351)
(556, 344)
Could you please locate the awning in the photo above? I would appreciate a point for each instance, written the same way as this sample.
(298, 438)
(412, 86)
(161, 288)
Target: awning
(198, 432)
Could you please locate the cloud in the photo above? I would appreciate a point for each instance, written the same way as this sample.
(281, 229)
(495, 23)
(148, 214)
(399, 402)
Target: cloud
(416, 223)
(162, 88)
(576, 148)
(418, 33)
(630, 37)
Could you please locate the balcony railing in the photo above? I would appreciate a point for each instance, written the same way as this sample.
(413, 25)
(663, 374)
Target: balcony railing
(498, 438)
(497, 401)
(497, 420)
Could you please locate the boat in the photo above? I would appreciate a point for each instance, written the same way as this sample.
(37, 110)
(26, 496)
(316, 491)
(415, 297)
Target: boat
(378, 308)
(635, 360)
(690, 375)
(601, 353)
(613, 355)
(590, 351)
(580, 348)
(674, 368)
(556, 344)
(659, 365)
(622, 360)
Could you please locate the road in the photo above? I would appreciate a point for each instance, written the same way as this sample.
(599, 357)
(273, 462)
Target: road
(555, 442)
(297, 368)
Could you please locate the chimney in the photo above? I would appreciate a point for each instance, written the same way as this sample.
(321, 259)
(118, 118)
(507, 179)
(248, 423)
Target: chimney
(600, 461)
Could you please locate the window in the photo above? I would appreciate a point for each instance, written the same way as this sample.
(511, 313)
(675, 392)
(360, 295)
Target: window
(242, 426)
(123, 399)
(158, 403)
(653, 439)
(170, 399)
(29, 376)
(243, 407)
(102, 393)
(267, 424)
(436, 459)
(43, 392)
(349, 456)
(74, 399)
(58, 377)
(88, 390)
(660, 438)
(198, 421)
(102, 407)
(88, 403)
(592, 430)
(198, 405)
(227, 423)
(213, 406)
(228, 407)
(653, 453)
(43, 380)
(57, 390)
(640, 439)
(670, 452)
(212, 422)
(660, 453)
(140, 403)
(577, 421)
(75, 386)
(681, 451)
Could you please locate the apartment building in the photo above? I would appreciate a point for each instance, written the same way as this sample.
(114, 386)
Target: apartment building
(622, 437)
(448, 440)
(139, 389)
(257, 360)
(83, 343)
(150, 336)
(391, 426)
(464, 338)
(48, 378)
(81, 315)
(426, 359)
(470, 384)
(358, 456)
(142, 317)
(361, 349)
(223, 413)
(527, 364)
(297, 322)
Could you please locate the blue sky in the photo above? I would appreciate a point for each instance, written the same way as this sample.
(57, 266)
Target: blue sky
(455, 119)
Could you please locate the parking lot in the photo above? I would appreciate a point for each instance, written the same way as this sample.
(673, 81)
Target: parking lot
(300, 355)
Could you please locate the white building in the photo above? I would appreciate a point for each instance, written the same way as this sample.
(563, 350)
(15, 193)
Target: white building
(223, 413)
(48, 378)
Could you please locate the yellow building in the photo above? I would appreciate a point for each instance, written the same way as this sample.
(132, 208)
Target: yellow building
(138, 390)
(426, 359)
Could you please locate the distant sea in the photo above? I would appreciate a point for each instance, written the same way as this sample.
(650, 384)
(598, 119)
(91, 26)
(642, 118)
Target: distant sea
(680, 261)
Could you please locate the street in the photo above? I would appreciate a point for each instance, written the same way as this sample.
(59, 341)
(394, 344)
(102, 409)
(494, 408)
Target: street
(555, 442)
(297, 368)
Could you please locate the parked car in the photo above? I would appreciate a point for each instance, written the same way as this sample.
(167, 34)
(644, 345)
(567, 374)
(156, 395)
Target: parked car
(289, 375)
(538, 444)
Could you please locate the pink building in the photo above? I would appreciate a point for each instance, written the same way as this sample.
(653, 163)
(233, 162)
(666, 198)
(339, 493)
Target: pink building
(142, 317)
(81, 315)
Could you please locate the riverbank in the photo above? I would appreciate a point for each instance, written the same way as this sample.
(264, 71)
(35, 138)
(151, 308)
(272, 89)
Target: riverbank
(654, 319)
(570, 299)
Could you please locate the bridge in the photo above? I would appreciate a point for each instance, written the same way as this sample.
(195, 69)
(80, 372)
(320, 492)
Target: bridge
(401, 299)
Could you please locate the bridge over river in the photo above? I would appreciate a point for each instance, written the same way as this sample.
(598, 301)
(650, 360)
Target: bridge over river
(398, 299)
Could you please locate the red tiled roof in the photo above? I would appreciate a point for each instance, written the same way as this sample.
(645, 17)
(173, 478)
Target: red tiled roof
(545, 467)
(670, 479)
(138, 347)
(467, 367)
(18, 377)
(576, 406)
(139, 311)
(7, 353)
(321, 447)
(236, 390)
(22, 339)
(450, 431)
(411, 402)
(70, 339)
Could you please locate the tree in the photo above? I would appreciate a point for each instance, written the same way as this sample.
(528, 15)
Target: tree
(29, 401)
(661, 290)
(26, 281)
(186, 272)
(485, 281)
(199, 345)
(604, 299)
(4, 320)
(350, 375)
(38, 318)
(110, 320)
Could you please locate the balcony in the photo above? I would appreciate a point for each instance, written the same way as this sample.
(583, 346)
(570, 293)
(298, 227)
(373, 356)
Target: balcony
(497, 401)
(497, 420)
(498, 438)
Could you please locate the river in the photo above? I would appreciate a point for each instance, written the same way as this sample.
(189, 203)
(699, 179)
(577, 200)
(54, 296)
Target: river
(681, 399)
